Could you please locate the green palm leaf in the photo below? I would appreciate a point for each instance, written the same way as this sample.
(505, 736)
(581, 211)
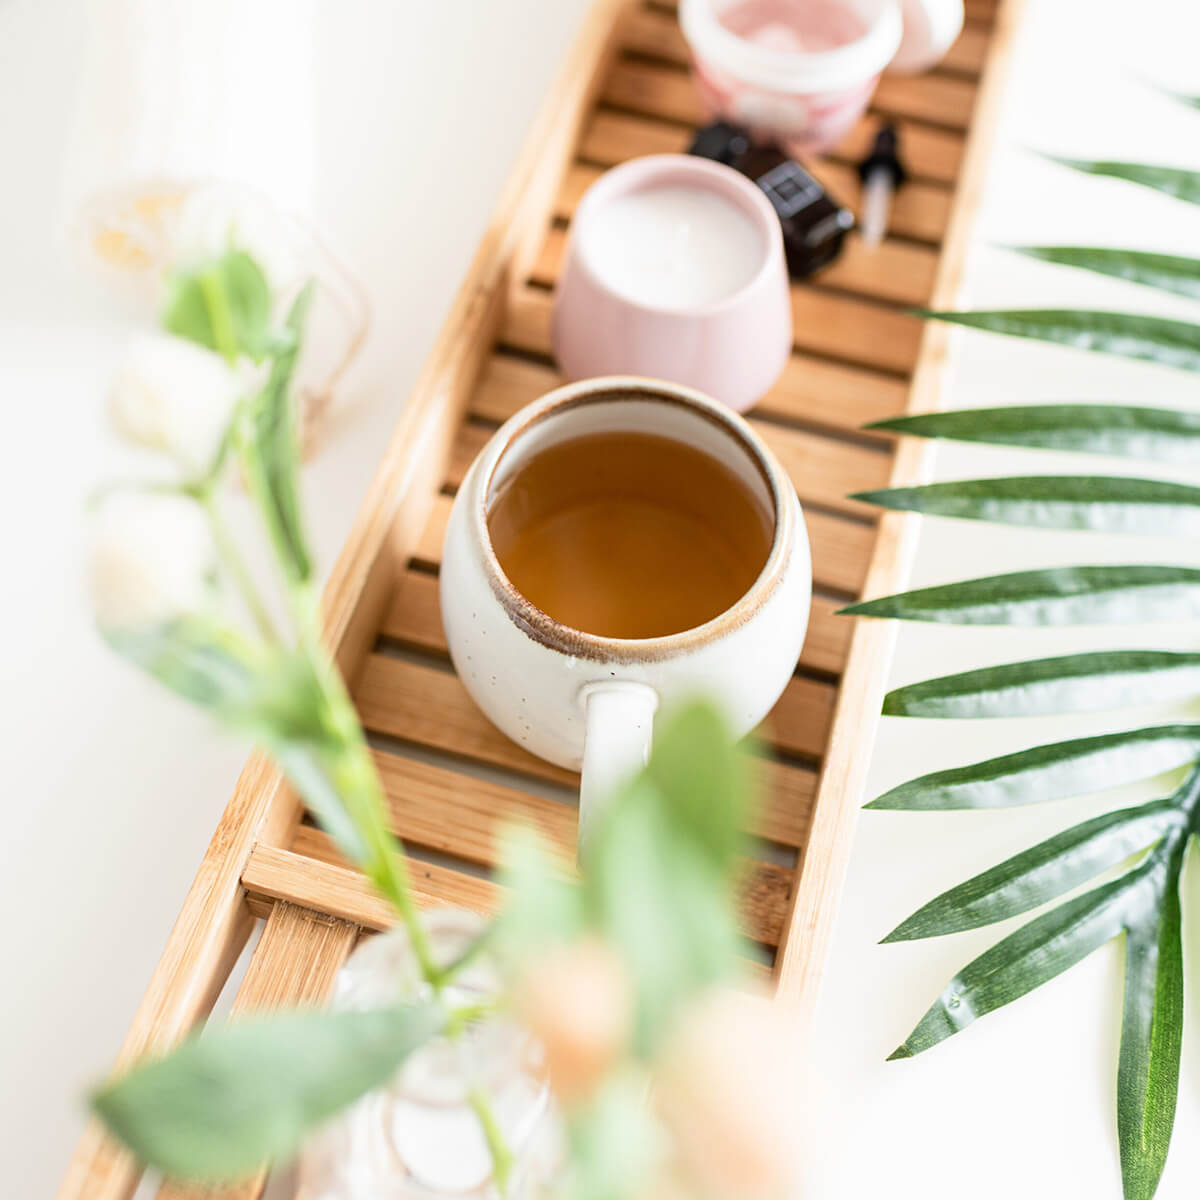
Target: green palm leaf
(1143, 902)
(1165, 434)
(1182, 98)
(1043, 872)
(1053, 596)
(1088, 682)
(1151, 1035)
(1104, 504)
(1037, 952)
(1129, 335)
(1167, 272)
(1050, 772)
(1174, 181)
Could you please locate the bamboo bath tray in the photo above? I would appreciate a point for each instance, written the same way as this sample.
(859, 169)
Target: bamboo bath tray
(451, 778)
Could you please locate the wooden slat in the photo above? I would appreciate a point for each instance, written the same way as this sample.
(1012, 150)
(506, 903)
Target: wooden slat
(612, 137)
(944, 100)
(854, 330)
(810, 389)
(417, 793)
(455, 723)
(764, 889)
(841, 549)
(472, 437)
(982, 11)
(462, 816)
(896, 271)
(656, 34)
(969, 51)
(832, 325)
(342, 892)
(294, 963)
(919, 210)
(431, 707)
(669, 94)
(415, 620)
(823, 471)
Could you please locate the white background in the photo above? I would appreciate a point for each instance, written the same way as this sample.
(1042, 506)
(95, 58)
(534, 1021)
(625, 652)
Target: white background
(111, 789)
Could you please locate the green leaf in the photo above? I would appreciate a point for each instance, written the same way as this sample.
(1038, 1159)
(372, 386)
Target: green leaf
(1043, 872)
(271, 453)
(224, 305)
(544, 905)
(1182, 98)
(702, 777)
(663, 867)
(654, 892)
(1103, 504)
(1088, 682)
(1167, 272)
(267, 694)
(1035, 953)
(1151, 1035)
(307, 771)
(1128, 335)
(1050, 772)
(1053, 596)
(1165, 434)
(196, 658)
(1178, 182)
(616, 1142)
(230, 1099)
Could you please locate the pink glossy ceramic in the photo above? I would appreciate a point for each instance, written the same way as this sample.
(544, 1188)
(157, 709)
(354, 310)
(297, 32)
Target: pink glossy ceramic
(734, 348)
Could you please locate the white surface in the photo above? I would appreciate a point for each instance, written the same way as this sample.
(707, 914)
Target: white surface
(113, 789)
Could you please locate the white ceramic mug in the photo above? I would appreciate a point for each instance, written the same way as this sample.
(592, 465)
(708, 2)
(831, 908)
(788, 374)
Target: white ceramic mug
(587, 702)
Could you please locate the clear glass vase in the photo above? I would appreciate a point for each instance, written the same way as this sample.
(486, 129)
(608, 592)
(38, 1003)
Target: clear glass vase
(419, 1137)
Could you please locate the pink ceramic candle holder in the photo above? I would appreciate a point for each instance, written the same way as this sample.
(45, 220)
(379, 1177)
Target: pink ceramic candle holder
(675, 270)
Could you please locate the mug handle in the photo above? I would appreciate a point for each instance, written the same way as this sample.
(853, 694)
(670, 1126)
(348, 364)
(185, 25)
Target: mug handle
(620, 724)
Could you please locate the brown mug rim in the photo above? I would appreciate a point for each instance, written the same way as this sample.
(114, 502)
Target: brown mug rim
(578, 643)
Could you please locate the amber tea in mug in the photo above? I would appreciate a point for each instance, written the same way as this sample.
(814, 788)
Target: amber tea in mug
(629, 535)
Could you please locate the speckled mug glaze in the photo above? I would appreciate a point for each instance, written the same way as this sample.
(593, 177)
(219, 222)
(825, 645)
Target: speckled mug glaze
(586, 702)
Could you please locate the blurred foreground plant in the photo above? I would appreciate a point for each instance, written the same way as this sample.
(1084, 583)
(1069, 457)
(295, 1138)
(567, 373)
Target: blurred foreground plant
(623, 975)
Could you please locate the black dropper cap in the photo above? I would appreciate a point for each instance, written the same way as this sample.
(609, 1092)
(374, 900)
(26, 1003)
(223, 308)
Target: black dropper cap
(884, 156)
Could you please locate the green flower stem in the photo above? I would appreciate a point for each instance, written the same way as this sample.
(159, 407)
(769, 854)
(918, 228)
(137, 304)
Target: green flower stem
(231, 556)
(498, 1148)
(217, 303)
(459, 1018)
(357, 782)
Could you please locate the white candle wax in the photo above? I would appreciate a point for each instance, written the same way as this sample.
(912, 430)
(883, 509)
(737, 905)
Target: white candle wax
(673, 246)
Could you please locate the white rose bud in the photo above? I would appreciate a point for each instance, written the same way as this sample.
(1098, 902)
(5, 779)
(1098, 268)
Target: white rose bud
(217, 217)
(152, 560)
(730, 1088)
(171, 394)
